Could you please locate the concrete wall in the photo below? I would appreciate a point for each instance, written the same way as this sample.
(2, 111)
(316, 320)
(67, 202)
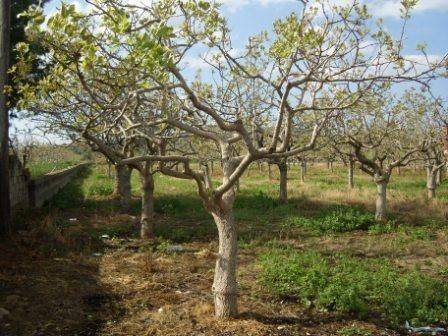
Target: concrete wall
(46, 186)
(19, 180)
(30, 193)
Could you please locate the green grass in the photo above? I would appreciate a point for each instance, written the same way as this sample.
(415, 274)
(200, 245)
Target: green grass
(336, 218)
(361, 287)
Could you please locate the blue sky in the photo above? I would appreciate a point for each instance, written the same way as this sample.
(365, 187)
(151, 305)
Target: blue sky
(248, 17)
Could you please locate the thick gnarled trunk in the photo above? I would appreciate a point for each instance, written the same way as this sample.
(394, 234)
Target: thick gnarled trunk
(147, 215)
(283, 187)
(224, 283)
(122, 188)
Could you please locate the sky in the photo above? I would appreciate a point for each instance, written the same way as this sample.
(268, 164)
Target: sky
(248, 17)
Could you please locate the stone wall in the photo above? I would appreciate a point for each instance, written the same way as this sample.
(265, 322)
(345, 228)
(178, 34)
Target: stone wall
(30, 193)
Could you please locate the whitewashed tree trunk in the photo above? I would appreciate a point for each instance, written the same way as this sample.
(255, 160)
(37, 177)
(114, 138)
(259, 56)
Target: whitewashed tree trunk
(224, 283)
(351, 168)
(122, 188)
(381, 200)
(147, 215)
(431, 181)
(283, 192)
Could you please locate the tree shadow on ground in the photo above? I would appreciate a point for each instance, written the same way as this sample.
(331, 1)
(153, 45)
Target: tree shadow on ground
(50, 282)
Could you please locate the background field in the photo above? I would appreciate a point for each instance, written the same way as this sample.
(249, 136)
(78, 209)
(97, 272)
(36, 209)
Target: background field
(318, 265)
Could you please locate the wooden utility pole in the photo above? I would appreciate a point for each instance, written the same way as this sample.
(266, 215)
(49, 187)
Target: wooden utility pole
(5, 31)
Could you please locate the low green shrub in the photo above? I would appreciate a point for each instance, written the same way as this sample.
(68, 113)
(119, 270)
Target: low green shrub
(373, 287)
(337, 219)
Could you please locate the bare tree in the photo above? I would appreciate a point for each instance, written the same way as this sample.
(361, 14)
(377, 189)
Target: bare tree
(379, 132)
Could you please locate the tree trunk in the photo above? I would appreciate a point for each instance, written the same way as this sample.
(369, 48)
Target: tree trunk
(123, 186)
(431, 181)
(439, 177)
(381, 201)
(302, 170)
(398, 170)
(331, 166)
(5, 205)
(351, 168)
(207, 178)
(270, 172)
(224, 283)
(283, 194)
(147, 217)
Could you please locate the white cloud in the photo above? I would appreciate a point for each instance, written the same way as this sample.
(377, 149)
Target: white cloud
(195, 63)
(234, 5)
(391, 8)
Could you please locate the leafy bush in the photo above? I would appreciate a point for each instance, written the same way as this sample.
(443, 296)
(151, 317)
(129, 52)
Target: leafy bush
(337, 219)
(361, 287)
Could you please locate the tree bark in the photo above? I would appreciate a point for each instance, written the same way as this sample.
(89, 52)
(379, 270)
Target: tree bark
(224, 283)
(351, 168)
(431, 181)
(283, 192)
(381, 201)
(5, 205)
(237, 185)
(439, 176)
(302, 170)
(207, 178)
(270, 172)
(122, 188)
(147, 216)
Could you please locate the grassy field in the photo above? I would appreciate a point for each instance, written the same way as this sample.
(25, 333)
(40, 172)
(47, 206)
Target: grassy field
(318, 265)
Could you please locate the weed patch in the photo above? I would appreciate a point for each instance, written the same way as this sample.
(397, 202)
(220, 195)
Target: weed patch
(362, 287)
(336, 219)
